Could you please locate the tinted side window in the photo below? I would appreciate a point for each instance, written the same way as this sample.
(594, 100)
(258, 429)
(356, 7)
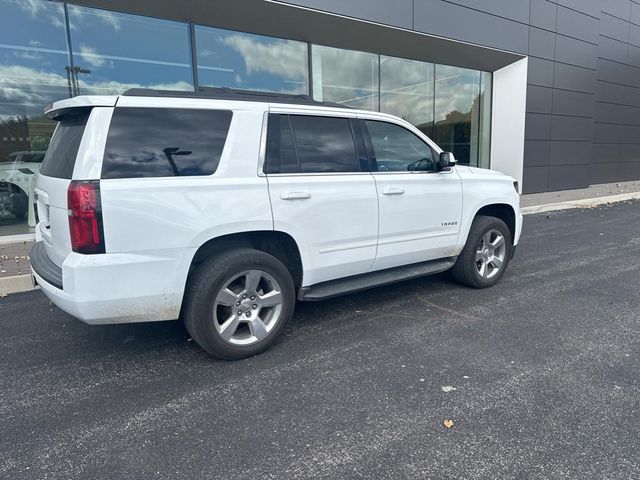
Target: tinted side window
(164, 142)
(324, 144)
(398, 150)
(63, 149)
(281, 153)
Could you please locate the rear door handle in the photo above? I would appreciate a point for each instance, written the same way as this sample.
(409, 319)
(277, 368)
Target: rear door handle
(295, 196)
(392, 191)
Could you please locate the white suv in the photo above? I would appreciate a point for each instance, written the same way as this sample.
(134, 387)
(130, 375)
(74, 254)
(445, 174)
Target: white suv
(224, 208)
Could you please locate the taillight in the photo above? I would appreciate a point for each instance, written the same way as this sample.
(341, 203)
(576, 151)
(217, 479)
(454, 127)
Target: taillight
(85, 216)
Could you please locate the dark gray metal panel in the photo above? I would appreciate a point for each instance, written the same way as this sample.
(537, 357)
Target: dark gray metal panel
(614, 93)
(570, 153)
(590, 7)
(537, 126)
(539, 99)
(540, 72)
(518, 11)
(398, 13)
(577, 25)
(618, 8)
(536, 153)
(634, 34)
(570, 77)
(470, 25)
(542, 43)
(535, 179)
(610, 113)
(618, 73)
(568, 177)
(571, 128)
(605, 172)
(576, 52)
(578, 104)
(607, 133)
(612, 50)
(633, 56)
(543, 14)
(635, 13)
(614, 27)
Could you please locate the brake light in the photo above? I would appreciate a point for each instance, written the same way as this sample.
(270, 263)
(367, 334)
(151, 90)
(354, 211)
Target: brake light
(85, 216)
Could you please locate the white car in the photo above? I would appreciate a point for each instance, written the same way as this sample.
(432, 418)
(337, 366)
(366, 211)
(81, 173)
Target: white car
(224, 208)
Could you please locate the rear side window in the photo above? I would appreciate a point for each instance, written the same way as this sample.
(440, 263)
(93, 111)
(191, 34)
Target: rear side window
(164, 142)
(309, 144)
(63, 149)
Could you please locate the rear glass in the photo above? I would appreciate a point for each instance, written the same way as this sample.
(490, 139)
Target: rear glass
(164, 142)
(63, 149)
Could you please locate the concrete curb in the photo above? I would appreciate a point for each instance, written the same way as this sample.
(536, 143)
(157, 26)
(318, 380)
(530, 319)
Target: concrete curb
(582, 203)
(15, 284)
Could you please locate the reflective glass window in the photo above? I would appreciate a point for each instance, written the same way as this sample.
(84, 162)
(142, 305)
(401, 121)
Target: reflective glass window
(486, 80)
(281, 153)
(345, 76)
(164, 142)
(113, 52)
(456, 125)
(324, 144)
(251, 62)
(33, 62)
(398, 150)
(406, 91)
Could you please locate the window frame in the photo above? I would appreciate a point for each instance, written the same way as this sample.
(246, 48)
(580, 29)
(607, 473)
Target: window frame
(436, 150)
(362, 154)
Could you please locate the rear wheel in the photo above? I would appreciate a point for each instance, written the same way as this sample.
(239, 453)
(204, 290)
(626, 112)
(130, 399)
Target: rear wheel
(237, 303)
(485, 256)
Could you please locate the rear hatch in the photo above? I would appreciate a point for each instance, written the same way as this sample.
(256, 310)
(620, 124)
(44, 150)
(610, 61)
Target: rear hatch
(53, 182)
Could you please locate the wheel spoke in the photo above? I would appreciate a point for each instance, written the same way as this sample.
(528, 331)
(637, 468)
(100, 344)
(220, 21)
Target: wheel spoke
(498, 242)
(483, 268)
(487, 239)
(227, 297)
(497, 262)
(479, 255)
(258, 328)
(229, 327)
(271, 299)
(252, 281)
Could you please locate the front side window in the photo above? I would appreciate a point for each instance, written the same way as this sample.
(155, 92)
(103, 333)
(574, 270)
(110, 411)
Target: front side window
(309, 144)
(398, 150)
(164, 142)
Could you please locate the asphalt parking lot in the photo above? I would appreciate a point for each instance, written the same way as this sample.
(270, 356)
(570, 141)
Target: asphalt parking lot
(544, 370)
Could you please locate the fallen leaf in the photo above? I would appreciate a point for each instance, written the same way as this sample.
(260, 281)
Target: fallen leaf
(448, 388)
(448, 423)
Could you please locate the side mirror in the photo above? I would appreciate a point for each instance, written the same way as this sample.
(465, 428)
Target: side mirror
(446, 160)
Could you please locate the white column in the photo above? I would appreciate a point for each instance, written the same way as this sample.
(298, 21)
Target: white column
(508, 115)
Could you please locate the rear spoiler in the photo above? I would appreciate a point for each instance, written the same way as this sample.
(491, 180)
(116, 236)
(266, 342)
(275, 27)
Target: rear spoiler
(70, 106)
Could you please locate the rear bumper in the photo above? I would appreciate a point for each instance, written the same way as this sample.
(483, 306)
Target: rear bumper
(118, 288)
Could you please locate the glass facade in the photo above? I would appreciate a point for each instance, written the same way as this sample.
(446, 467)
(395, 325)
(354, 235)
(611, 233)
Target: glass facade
(53, 50)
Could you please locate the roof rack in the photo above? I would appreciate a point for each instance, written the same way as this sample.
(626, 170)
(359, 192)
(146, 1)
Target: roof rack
(232, 94)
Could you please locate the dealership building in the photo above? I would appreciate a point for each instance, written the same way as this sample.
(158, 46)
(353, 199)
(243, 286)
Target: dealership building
(546, 91)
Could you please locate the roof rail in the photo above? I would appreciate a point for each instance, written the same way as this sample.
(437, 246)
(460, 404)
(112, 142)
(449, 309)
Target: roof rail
(232, 94)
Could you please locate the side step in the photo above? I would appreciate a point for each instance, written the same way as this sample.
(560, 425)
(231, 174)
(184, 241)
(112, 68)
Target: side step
(333, 288)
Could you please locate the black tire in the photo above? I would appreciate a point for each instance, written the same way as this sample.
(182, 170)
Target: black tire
(465, 270)
(19, 204)
(210, 278)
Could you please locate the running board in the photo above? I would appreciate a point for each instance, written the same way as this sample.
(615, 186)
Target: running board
(379, 278)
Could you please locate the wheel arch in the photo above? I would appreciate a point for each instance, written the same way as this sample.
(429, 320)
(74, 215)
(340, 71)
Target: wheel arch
(277, 243)
(504, 212)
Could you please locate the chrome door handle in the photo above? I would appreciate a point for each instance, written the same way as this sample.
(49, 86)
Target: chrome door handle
(295, 196)
(392, 191)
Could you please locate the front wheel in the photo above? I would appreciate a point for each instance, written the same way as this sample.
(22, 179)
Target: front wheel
(485, 256)
(237, 303)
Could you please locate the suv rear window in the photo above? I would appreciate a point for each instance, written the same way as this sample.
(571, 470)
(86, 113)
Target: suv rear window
(63, 149)
(164, 142)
